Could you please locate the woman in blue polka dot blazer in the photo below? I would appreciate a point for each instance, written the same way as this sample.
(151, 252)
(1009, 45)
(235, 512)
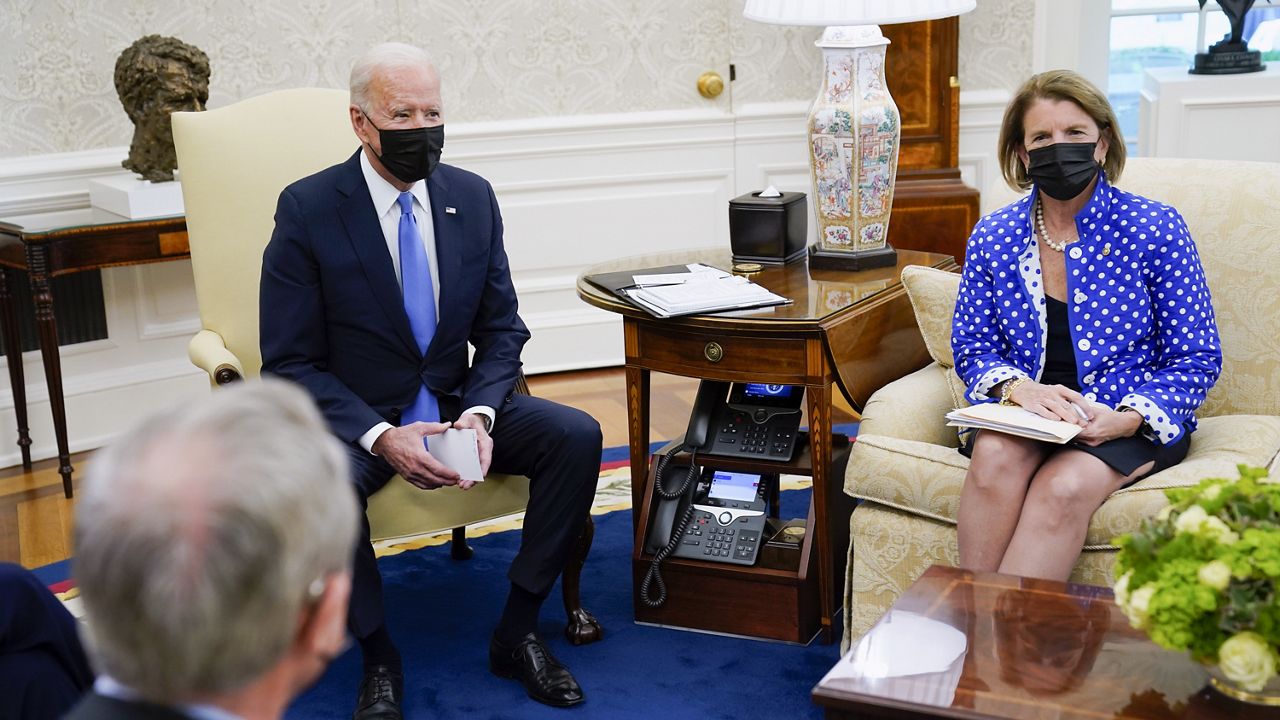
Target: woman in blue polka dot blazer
(1080, 302)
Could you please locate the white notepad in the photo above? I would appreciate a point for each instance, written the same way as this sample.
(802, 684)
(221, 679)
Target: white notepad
(456, 449)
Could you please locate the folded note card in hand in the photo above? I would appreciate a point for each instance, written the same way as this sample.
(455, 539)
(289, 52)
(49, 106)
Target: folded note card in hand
(456, 449)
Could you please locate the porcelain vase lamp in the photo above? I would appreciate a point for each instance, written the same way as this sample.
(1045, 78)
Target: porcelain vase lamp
(854, 129)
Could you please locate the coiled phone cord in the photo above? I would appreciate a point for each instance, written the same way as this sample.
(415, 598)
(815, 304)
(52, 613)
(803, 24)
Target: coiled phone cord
(653, 578)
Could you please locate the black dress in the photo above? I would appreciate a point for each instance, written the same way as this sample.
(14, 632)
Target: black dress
(1124, 455)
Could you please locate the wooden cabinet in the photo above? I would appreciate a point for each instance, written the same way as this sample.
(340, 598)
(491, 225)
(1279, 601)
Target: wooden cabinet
(933, 210)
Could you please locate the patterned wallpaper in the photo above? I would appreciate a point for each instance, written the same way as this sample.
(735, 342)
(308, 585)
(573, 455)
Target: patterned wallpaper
(995, 44)
(500, 59)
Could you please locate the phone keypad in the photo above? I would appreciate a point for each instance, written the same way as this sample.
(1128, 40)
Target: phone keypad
(741, 436)
(706, 539)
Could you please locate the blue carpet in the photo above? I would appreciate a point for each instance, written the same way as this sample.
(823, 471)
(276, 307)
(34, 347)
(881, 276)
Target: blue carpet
(441, 613)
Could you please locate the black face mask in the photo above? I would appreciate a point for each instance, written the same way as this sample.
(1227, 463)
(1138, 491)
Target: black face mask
(1063, 170)
(411, 154)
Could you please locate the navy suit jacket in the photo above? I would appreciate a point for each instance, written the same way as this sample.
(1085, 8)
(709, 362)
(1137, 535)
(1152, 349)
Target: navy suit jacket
(332, 316)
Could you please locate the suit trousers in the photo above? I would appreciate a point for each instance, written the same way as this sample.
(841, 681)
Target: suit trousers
(556, 447)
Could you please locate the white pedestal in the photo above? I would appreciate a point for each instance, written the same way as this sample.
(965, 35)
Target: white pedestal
(1217, 117)
(135, 198)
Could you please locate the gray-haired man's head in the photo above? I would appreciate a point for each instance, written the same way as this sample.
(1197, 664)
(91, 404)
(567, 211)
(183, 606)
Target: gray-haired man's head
(208, 539)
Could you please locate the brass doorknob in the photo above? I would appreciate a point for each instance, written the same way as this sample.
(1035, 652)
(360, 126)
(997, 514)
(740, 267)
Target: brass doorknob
(710, 84)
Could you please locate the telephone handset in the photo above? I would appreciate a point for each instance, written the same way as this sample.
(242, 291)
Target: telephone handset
(757, 421)
(710, 395)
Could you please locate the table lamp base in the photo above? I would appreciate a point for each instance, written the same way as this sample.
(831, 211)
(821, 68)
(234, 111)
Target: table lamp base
(851, 260)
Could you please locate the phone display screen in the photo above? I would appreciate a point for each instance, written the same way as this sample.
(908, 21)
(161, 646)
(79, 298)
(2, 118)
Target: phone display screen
(737, 486)
(748, 396)
(762, 390)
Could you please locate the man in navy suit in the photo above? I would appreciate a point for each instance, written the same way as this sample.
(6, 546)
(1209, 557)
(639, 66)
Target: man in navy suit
(380, 272)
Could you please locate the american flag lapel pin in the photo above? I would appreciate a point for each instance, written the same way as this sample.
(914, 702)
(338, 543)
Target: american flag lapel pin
(450, 210)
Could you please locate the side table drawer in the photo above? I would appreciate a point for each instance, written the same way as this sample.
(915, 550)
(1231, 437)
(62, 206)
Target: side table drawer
(707, 354)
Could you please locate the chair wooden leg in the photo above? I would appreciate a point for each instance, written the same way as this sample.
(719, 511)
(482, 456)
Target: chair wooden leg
(458, 548)
(583, 627)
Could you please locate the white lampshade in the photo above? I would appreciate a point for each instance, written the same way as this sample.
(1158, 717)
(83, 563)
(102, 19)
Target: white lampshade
(852, 12)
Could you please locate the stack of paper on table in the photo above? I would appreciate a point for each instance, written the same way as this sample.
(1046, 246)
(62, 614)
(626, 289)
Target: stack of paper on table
(1013, 420)
(704, 289)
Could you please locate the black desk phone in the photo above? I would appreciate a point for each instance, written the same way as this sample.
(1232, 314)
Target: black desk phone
(757, 420)
(727, 523)
(717, 515)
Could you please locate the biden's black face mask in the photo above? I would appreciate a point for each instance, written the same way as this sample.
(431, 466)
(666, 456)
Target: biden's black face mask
(1062, 170)
(410, 154)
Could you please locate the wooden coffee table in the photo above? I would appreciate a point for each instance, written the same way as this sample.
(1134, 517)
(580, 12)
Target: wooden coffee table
(1021, 648)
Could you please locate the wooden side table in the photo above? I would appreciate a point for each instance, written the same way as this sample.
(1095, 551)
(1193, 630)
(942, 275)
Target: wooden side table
(852, 329)
(1028, 649)
(47, 245)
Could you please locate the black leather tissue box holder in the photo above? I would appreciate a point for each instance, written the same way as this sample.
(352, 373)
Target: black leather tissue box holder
(768, 230)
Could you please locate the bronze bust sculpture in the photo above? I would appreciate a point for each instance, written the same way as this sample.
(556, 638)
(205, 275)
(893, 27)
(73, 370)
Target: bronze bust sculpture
(157, 76)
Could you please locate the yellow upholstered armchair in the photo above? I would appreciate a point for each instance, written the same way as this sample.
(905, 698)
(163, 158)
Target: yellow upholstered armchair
(233, 164)
(905, 467)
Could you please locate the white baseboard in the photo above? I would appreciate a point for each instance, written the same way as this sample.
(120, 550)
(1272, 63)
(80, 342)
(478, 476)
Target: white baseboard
(98, 407)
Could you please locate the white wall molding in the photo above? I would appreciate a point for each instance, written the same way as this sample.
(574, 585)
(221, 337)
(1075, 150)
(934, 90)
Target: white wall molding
(47, 183)
(1073, 35)
(98, 406)
(84, 384)
(589, 182)
(61, 166)
(981, 114)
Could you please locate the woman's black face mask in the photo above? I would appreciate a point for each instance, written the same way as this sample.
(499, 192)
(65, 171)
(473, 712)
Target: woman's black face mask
(410, 154)
(1062, 170)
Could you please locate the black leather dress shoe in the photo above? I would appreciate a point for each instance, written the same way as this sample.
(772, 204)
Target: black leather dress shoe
(381, 693)
(544, 678)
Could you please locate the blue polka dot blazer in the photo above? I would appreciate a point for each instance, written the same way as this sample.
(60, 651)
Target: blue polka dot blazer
(1141, 319)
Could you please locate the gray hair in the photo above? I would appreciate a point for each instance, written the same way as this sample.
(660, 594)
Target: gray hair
(201, 535)
(382, 57)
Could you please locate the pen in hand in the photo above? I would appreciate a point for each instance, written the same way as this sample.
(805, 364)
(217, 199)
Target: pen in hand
(1080, 411)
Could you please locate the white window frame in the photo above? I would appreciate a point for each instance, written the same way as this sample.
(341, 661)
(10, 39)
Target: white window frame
(1088, 50)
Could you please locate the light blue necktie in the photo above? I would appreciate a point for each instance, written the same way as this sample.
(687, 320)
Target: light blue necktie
(419, 304)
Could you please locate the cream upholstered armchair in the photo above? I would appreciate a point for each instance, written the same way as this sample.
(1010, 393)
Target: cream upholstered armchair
(905, 467)
(233, 163)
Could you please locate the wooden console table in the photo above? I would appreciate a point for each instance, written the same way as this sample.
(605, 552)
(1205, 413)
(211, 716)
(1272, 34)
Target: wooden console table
(853, 329)
(47, 245)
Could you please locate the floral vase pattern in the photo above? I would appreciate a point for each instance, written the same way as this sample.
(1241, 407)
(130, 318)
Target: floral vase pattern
(853, 141)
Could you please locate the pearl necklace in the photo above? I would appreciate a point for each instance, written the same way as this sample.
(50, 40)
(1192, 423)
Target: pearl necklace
(1044, 234)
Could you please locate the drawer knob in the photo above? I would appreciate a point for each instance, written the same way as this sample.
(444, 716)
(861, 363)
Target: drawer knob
(713, 352)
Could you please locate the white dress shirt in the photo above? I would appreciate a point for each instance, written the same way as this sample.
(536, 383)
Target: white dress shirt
(385, 196)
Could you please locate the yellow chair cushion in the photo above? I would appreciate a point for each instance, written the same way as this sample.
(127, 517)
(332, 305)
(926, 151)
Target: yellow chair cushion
(933, 298)
(399, 509)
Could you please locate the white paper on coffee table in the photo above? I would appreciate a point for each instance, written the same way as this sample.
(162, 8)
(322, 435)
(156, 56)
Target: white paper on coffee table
(456, 449)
